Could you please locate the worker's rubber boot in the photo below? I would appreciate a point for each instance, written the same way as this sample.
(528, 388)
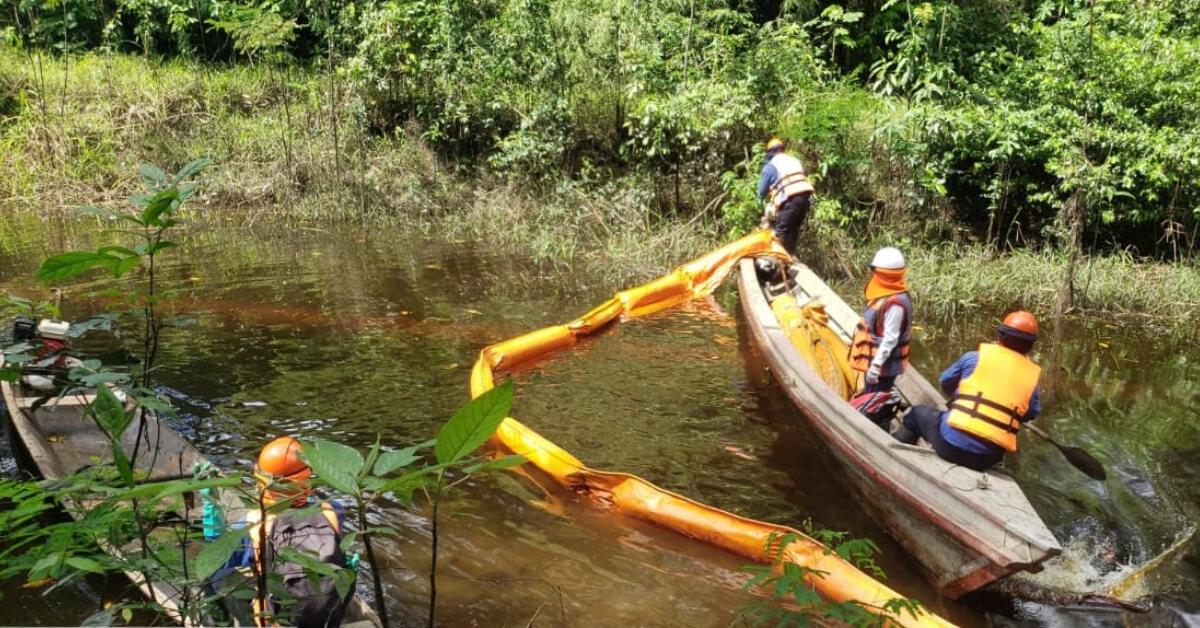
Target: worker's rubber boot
(905, 435)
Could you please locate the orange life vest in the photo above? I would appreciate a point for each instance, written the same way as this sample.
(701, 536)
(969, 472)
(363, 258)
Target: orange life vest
(992, 400)
(869, 333)
(263, 617)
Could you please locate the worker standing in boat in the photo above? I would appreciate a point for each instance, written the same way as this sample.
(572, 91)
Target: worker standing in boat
(993, 391)
(282, 475)
(785, 192)
(879, 348)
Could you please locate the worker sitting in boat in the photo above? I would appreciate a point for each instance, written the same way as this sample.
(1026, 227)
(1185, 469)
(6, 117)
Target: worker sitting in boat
(993, 390)
(879, 348)
(282, 475)
(786, 193)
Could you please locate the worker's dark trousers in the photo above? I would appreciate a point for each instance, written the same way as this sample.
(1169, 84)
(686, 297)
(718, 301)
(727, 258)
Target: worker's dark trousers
(926, 422)
(790, 219)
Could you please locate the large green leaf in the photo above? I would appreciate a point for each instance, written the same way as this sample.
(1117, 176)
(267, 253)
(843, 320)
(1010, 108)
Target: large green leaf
(371, 458)
(45, 564)
(110, 413)
(307, 561)
(392, 460)
(68, 265)
(9, 375)
(152, 176)
(118, 266)
(335, 463)
(471, 426)
(402, 487)
(507, 462)
(217, 552)
(123, 465)
(192, 169)
(168, 488)
(85, 564)
(159, 204)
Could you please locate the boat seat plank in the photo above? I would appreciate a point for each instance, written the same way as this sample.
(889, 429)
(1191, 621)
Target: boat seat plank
(69, 400)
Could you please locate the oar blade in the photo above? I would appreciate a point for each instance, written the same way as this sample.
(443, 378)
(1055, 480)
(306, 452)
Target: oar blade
(1085, 462)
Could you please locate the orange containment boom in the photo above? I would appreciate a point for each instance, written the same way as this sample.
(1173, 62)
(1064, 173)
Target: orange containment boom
(631, 495)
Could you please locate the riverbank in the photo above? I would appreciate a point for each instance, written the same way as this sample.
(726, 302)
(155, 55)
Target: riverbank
(281, 156)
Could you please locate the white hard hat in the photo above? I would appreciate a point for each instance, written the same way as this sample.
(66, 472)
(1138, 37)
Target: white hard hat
(888, 258)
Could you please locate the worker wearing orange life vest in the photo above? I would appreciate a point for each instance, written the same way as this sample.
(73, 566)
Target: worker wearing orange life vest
(993, 391)
(283, 475)
(879, 348)
(784, 189)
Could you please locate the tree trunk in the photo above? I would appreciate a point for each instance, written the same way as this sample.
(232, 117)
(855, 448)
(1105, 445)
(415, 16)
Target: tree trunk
(1073, 217)
(333, 118)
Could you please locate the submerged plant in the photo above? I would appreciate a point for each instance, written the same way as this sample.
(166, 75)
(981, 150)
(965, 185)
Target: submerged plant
(794, 599)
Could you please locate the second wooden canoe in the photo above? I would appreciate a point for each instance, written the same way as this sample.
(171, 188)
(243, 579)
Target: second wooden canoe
(58, 439)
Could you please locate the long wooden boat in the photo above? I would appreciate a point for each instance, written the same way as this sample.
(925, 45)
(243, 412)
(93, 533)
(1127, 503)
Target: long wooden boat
(58, 439)
(965, 528)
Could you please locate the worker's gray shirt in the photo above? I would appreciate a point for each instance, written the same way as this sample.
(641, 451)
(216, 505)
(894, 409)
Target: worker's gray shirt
(893, 319)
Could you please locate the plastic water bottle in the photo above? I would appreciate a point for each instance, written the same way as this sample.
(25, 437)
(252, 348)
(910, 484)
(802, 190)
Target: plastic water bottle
(212, 518)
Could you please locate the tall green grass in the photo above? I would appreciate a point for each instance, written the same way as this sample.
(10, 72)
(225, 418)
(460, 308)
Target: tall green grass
(963, 280)
(957, 279)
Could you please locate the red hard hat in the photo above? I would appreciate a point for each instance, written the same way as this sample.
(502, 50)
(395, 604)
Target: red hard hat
(280, 459)
(1022, 322)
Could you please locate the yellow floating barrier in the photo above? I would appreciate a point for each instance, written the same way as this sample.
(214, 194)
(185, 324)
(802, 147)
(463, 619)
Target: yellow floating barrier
(627, 494)
(807, 326)
(600, 316)
(533, 345)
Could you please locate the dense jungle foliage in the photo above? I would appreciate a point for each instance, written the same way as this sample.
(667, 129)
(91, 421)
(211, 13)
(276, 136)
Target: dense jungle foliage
(1008, 122)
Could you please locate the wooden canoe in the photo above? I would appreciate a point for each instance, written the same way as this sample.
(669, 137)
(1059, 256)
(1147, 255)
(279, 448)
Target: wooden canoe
(965, 528)
(58, 439)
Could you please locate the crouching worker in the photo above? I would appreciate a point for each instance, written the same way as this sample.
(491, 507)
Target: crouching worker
(298, 598)
(992, 391)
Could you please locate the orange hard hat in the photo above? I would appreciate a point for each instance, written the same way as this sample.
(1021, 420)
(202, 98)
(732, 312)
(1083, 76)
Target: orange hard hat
(280, 460)
(774, 143)
(1021, 322)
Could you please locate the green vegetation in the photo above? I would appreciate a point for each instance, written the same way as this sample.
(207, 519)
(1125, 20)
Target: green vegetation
(628, 134)
(795, 602)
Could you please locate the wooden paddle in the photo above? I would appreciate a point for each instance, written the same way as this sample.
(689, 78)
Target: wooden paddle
(1078, 458)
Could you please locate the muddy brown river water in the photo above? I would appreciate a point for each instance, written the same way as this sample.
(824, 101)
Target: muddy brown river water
(349, 334)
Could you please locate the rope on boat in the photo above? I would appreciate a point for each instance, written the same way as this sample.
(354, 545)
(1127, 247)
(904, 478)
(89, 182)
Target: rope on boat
(840, 581)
